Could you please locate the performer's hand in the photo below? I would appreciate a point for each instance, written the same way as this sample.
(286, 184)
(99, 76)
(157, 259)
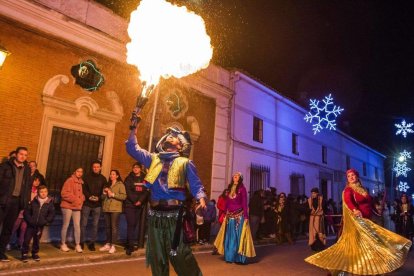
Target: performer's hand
(357, 213)
(138, 203)
(203, 203)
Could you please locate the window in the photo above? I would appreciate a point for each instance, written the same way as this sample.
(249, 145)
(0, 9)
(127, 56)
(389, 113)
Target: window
(364, 168)
(257, 130)
(259, 177)
(376, 173)
(295, 144)
(348, 162)
(324, 155)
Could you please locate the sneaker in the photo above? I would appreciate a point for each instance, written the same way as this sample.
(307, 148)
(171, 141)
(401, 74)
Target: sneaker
(3, 257)
(78, 248)
(112, 250)
(106, 247)
(36, 257)
(64, 247)
(25, 258)
(91, 247)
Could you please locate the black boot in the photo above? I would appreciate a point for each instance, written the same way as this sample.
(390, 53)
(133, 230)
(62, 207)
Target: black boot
(91, 247)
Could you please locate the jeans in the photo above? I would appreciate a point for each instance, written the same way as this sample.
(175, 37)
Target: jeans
(204, 231)
(96, 213)
(133, 218)
(35, 233)
(67, 214)
(8, 215)
(111, 226)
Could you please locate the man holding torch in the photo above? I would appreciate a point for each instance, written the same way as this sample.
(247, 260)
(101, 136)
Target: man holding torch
(170, 172)
(167, 41)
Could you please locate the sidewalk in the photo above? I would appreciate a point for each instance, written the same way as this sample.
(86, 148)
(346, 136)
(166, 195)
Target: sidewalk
(50, 254)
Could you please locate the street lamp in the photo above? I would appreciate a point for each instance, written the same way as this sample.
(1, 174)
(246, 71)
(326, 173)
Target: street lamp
(3, 54)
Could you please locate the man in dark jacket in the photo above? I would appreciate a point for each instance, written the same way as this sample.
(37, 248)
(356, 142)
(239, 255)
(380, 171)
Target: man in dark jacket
(92, 189)
(14, 194)
(37, 214)
(135, 206)
(256, 211)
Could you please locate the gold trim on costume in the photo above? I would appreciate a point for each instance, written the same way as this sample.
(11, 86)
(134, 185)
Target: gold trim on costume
(364, 248)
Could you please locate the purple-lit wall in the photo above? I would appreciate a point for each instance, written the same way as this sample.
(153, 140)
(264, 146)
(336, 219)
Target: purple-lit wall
(282, 117)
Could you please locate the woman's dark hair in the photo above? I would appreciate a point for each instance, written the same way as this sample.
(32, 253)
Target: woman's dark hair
(239, 184)
(118, 178)
(315, 190)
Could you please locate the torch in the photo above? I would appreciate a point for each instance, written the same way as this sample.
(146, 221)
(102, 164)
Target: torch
(142, 99)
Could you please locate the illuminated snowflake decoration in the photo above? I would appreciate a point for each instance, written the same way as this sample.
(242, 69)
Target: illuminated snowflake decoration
(405, 155)
(403, 187)
(323, 114)
(404, 128)
(412, 196)
(401, 169)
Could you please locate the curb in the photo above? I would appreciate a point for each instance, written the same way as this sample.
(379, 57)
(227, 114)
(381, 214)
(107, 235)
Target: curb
(54, 256)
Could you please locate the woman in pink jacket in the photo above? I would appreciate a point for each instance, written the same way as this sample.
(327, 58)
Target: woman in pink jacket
(71, 205)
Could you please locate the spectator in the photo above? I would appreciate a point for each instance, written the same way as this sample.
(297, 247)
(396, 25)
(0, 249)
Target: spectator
(14, 194)
(221, 205)
(135, 206)
(329, 212)
(71, 206)
(113, 194)
(39, 212)
(283, 224)
(377, 211)
(20, 225)
(388, 222)
(92, 189)
(317, 239)
(404, 216)
(35, 171)
(256, 211)
(294, 209)
(209, 216)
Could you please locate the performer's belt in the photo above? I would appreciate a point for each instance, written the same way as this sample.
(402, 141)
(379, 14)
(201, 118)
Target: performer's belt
(234, 214)
(166, 204)
(163, 214)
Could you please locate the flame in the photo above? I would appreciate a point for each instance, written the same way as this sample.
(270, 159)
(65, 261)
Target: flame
(167, 40)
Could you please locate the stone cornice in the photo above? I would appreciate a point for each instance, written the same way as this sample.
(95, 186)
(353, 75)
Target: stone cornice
(58, 25)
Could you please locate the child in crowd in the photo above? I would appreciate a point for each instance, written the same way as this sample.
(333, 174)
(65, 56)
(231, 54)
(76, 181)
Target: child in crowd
(20, 225)
(38, 213)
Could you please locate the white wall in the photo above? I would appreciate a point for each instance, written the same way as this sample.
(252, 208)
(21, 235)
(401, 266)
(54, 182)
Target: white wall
(282, 117)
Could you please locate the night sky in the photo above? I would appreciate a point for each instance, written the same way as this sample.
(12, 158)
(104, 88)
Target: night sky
(360, 51)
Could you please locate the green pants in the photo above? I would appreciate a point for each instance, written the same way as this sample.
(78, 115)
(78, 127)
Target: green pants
(161, 228)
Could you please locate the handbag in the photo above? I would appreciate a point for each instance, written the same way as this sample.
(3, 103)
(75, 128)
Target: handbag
(189, 234)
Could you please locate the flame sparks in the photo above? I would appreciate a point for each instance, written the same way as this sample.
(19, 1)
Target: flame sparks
(167, 40)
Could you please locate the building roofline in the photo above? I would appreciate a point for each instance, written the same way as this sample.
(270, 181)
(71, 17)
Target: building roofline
(274, 93)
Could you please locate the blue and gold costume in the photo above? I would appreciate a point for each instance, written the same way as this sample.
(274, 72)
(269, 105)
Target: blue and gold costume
(169, 175)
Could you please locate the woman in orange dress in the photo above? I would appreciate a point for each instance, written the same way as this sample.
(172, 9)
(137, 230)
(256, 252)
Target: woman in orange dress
(364, 248)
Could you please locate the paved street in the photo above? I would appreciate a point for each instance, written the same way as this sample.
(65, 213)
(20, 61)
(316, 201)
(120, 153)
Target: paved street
(270, 260)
